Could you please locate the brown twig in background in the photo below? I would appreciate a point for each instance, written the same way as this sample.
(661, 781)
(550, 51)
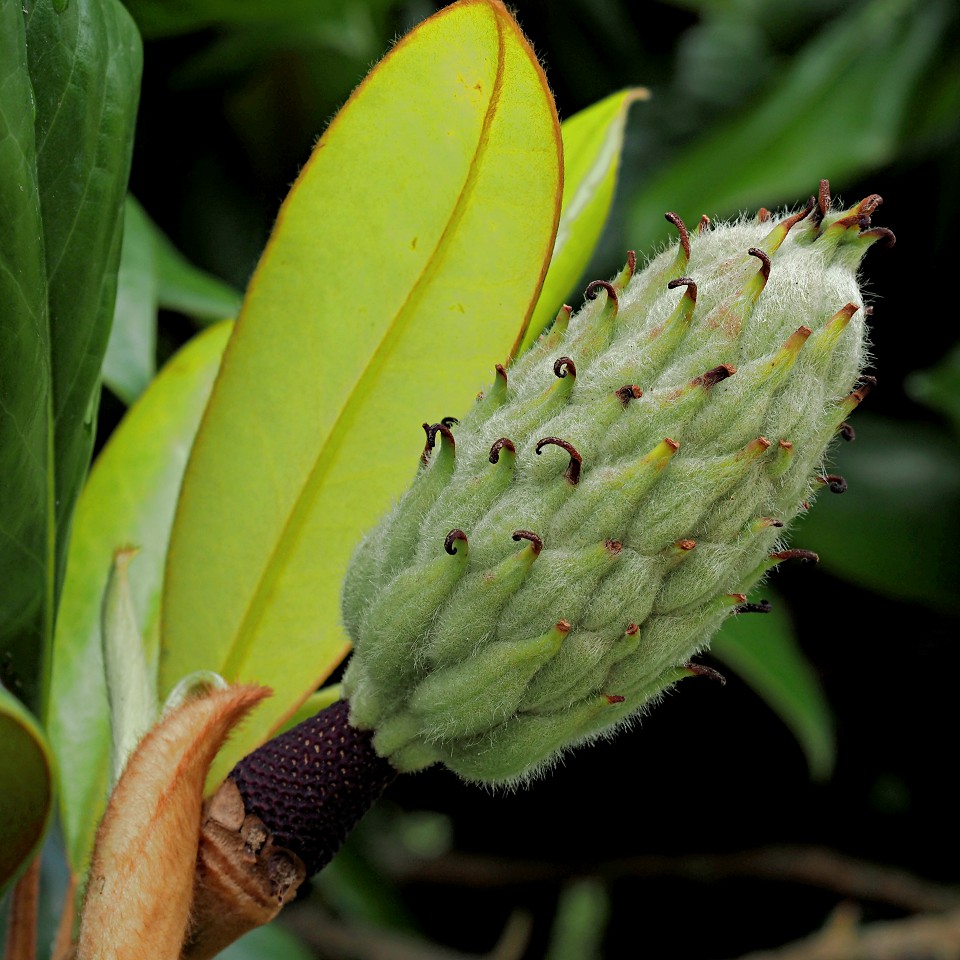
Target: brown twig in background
(816, 867)
(813, 866)
(929, 937)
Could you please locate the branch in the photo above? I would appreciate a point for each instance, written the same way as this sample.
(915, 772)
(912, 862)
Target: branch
(813, 866)
(930, 936)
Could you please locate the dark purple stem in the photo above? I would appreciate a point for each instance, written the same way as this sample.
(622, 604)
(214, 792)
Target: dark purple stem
(312, 785)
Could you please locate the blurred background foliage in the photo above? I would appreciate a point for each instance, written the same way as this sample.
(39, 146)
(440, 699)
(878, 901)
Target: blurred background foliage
(631, 848)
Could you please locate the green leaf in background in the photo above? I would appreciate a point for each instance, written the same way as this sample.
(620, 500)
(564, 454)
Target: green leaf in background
(271, 942)
(154, 274)
(357, 889)
(939, 387)
(76, 74)
(406, 257)
(592, 145)
(131, 358)
(352, 32)
(26, 786)
(158, 18)
(188, 290)
(129, 499)
(832, 114)
(580, 922)
(763, 651)
(26, 521)
(897, 529)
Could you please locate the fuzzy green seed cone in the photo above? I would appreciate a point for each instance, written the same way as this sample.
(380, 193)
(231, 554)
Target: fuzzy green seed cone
(578, 537)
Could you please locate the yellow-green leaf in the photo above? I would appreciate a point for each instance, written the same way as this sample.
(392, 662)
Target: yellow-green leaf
(26, 786)
(411, 248)
(592, 144)
(129, 500)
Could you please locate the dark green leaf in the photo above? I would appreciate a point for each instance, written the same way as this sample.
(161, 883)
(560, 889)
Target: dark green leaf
(187, 289)
(897, 529)
(75, 76)
(939, 387)
(163, 18)
(26, 786)
(85, 68)
(26, 557)
(763, 651)
(353, 34)
(832, 114)
(357, 889)
(271, 942)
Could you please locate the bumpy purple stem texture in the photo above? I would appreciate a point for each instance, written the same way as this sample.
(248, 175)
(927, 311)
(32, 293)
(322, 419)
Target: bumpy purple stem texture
(312, 785)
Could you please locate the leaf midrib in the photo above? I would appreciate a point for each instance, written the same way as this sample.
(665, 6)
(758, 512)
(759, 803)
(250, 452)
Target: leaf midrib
(45, 664)
(239, 649)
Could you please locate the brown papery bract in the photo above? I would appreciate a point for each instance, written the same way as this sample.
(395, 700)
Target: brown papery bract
(141, 877)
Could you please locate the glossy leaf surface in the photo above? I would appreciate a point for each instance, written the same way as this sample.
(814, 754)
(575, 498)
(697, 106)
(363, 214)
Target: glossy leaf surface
(405, 258)
(25, 461)
(26, 785)
(592, 146)
(761, 648)
(129, 499)
(69, 100)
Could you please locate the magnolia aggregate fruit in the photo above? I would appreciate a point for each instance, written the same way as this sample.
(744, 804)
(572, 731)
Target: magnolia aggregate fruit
(575, 540)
